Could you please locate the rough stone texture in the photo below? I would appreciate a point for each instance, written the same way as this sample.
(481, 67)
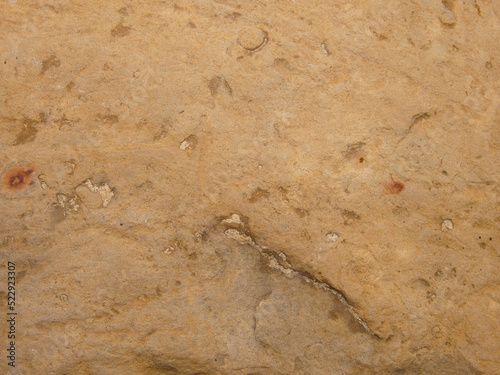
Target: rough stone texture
(251, 187)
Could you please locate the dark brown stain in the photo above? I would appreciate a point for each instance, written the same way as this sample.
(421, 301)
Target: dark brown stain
(420, 283)
(233, 16)
(448, 4)
(333, 315)
(29, 128)
(394, 187)
(353, 325)
(43, 117)
(219, 84)
(27, 134)
(305, 234)
(18, 178)
(108, 119)
(353, 150)
(64, 123)
(20, 275)
(478, 8)
(301, 212)
(258, 194)
(120, 30)
(283, 193)
(448, 25)
(419, 117)
(58, 213)
(349, 217)
(282, 64)
(52, 61)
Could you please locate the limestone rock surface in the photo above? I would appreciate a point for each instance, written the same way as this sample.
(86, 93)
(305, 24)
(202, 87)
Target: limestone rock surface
(251, 187)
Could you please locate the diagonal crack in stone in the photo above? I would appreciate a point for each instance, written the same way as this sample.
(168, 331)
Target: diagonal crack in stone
(279, 262)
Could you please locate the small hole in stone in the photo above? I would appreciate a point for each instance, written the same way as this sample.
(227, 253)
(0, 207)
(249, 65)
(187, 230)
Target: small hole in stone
(361, 160)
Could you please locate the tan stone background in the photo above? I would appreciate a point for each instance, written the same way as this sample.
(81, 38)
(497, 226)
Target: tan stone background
(251, 187)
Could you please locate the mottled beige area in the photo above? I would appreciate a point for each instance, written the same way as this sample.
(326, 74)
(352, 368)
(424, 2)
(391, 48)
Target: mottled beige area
(251, 187)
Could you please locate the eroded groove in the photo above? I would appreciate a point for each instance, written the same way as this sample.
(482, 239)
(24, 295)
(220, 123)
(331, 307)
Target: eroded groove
(279, 261)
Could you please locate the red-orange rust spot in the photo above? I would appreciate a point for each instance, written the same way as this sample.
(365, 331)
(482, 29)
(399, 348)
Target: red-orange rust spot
(18, 178)
(394, 187)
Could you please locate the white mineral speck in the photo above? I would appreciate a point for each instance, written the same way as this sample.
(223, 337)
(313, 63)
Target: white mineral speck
(332, 237)
(446, 225)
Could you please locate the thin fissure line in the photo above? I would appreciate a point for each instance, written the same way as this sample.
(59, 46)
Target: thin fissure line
(278, 261)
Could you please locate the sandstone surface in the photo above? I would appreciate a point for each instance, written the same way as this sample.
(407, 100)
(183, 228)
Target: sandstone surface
(251, 187)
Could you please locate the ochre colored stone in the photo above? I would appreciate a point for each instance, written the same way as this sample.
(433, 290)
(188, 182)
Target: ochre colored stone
(251, 187)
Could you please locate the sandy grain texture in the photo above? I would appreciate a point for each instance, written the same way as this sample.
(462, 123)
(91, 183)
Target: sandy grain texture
(251, 187)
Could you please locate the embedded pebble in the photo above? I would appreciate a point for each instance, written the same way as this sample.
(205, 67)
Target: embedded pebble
(332, 237)
(446, 225)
